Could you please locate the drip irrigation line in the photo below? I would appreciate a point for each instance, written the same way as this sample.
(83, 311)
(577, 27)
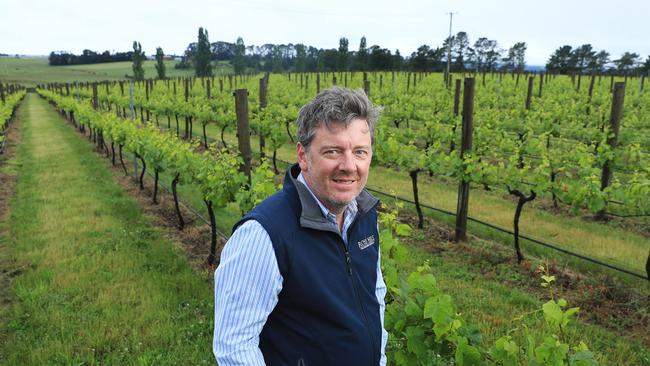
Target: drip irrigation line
(625, 216)
(533, 240)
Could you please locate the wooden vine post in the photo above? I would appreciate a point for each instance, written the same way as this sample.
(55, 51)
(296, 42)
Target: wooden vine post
(132, 109)
(147, 90)
(462, 207)
(452, 144)
(243, 130)
(366, 87)
(530, 92)
(612, 140)
(263, 92)
(641, 83)
(95, 100)
(591, 86)
(187, 98)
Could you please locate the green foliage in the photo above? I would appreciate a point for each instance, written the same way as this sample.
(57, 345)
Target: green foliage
(362, 55)
(426, 329)
(138, 59)
(261, 187)
(239, 60)
(7, 109)
(203, 56)
(160, 65)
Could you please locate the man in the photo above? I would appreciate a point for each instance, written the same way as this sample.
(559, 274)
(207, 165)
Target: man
(299, 282)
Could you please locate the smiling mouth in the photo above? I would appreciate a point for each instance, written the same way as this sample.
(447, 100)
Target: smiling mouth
(344, 181)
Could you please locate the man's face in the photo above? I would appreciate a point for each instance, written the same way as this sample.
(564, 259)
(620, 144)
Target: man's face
(336, 165)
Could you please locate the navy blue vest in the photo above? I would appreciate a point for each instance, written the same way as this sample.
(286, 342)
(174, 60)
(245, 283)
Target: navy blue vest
(327, 311)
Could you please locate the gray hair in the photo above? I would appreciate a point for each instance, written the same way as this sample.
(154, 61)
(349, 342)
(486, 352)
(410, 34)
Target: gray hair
(335, 105)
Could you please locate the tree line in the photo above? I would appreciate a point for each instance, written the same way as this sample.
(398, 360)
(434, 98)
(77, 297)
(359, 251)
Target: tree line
(455, 52)
(585, 59)
(61, 58)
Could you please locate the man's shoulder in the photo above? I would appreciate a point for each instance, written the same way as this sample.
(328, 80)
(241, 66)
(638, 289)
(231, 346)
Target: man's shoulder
(278, 200)
(277, 206)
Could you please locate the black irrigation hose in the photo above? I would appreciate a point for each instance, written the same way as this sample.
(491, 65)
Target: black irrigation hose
(535, 241)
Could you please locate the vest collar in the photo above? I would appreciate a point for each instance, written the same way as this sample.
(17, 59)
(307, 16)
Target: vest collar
(311, 215)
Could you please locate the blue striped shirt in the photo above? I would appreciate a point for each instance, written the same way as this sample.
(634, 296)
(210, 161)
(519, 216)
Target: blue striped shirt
(246, 288)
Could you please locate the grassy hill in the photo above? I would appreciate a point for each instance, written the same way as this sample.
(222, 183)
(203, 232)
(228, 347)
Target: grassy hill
(33, 71)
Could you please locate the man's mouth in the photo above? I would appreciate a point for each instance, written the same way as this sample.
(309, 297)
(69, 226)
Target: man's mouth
(344, 181)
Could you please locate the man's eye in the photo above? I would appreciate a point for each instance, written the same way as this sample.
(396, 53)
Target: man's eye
(361, 152)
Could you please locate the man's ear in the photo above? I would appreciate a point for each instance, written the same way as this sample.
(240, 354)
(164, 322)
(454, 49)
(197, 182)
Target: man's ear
(302, 156)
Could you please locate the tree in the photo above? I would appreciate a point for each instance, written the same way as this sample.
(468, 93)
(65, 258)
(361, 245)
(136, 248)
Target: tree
(447, 46)
(599, 61)
(492, 56)
(627, 62)
(459, 47)
(398, 60)
(583, 56)
(277, 59)
(239, 60)
(516, 59)
(427, 59)
(645, 68)
(160, 65)
(485, 54)
(301, 56)
(203, 57)
(343, 54)
(561, 61)
(362, 55)
(138, 59)
(380, 59)
(328, 60)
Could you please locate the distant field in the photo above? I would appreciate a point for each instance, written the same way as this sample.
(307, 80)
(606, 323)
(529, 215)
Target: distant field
(33, 71)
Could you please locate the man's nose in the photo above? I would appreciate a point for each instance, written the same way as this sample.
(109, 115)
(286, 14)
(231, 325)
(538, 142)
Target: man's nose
(347, 162)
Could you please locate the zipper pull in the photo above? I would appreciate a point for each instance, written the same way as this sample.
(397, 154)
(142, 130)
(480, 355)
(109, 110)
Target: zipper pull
(348, 260)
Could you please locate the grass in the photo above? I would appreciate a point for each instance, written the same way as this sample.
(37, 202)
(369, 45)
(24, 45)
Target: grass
(97, 284)
(33, 71)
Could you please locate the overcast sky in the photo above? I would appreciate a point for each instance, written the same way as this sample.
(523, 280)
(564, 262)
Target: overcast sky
(37, 27)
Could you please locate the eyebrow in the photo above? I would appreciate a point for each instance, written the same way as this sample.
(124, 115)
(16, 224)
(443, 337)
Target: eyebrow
(326, 147)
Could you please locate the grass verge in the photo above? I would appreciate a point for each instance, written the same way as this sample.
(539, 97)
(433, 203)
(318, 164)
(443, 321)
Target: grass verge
(95, 282)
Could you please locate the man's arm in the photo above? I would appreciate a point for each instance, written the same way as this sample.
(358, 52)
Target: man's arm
(380, 292)
(246, 287)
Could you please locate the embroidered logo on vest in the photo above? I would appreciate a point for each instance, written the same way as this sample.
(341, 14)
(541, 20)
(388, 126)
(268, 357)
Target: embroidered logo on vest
(363, 244)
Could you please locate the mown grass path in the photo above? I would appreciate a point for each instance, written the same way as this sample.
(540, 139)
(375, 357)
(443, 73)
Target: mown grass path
(94, 282)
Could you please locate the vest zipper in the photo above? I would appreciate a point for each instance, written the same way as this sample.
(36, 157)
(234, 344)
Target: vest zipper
(348, 261)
